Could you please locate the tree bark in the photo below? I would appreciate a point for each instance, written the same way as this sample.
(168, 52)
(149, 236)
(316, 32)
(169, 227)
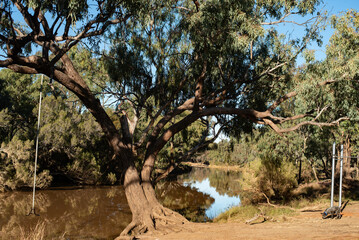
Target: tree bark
(311, 162)
(300, 171)
(347, 158)
(147, 213)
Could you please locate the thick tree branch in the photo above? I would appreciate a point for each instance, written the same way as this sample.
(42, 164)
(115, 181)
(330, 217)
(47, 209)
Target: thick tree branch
(54, 24)
(250, 114)
(7, 62)
(197, 5)
(22, 69)
(45, 24)
(30, 21)
(199, 88)
(189, 119)
(313, 123)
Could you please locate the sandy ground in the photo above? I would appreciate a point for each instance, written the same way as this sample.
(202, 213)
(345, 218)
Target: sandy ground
(305, 225)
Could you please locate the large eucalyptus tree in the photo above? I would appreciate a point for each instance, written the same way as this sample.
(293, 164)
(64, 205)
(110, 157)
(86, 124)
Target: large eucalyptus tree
(172, 62)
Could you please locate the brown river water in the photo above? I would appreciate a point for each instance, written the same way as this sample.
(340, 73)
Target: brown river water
(102, 212)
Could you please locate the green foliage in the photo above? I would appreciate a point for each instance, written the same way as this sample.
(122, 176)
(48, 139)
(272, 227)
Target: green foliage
(111, 177)
(17, 123)
(224, 153)
(18, 96)
(16, 166)
(342, 50)
(268, 177)
(71, 142)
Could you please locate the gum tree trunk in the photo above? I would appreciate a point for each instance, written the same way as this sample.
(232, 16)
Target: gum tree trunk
(147, 213)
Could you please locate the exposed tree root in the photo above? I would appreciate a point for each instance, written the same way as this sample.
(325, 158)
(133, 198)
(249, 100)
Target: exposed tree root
(160, 221)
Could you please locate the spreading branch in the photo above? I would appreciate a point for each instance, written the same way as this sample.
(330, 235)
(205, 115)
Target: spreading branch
(285, 16)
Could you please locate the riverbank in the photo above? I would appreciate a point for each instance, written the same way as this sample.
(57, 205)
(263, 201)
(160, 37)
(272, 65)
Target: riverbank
(307, 224)
(222, 167)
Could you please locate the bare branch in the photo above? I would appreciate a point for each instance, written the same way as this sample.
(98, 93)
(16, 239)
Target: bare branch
(67, 27)
(85, 32)
(318, 124)
(183, 8)
(44, 23)
(320, 113)
(281, 100)
(3, 38)
(54, 23)
(72, 41)
(21, 34)
(282, 20)
(201, 144)
(270, 70)
(197, 5)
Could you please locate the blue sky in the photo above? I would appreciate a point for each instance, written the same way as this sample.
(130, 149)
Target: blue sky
(332, 7)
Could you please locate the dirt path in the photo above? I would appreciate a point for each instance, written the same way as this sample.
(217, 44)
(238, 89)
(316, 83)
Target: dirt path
(305, 225)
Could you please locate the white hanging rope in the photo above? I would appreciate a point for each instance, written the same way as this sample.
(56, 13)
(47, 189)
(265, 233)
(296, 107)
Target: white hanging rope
(37, 149)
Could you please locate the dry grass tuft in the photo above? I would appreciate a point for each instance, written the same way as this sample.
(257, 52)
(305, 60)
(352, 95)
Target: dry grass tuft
(36, 233)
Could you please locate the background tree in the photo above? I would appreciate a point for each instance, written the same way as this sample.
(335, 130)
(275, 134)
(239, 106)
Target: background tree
(73, 148)
(309, 148)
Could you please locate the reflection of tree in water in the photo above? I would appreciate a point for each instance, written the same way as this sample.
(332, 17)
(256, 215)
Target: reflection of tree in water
(102, 213)
(91, 212)
(225, 182)
(185, 200)
(197, 174)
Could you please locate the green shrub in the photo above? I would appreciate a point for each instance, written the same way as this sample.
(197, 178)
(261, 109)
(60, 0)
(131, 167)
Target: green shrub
(17, 166)
(268, 177)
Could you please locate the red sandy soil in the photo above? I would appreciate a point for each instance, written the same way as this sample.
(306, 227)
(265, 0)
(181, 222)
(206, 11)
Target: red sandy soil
(307, 224)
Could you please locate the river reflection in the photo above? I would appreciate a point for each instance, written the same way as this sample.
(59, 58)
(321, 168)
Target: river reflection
(77, 213)
(103, 212)
(220, 185)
